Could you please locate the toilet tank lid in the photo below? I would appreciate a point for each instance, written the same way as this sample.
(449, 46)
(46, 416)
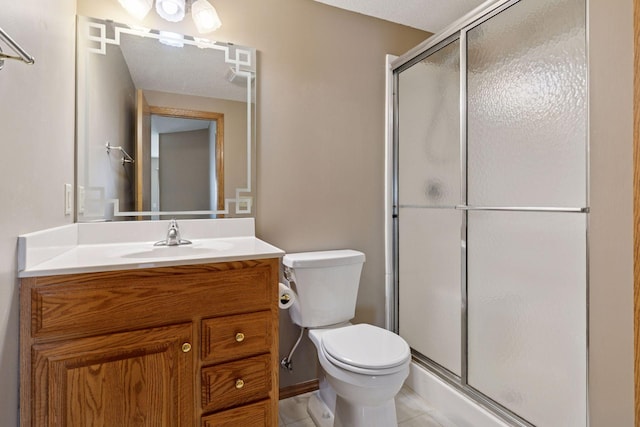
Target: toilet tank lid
(323, 258)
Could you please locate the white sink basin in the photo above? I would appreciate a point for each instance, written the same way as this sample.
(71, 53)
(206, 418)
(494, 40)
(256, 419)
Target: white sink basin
(210, 247)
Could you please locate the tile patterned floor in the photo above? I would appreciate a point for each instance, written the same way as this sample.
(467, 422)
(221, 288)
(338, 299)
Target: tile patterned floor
(411, 410)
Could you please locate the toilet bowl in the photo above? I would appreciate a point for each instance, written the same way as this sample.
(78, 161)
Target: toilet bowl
(365, 366)
(362, 367)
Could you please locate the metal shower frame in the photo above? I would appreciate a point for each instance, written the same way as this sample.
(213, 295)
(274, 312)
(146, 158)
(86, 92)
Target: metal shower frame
(456, 31)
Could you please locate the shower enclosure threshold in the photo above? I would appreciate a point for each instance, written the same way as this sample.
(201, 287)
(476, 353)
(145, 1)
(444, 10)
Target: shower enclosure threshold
(449, 402)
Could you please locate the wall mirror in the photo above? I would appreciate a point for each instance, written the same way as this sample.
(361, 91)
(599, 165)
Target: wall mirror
(165, 125)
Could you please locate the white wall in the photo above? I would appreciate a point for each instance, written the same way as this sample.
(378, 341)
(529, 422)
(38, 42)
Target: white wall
(37, 140)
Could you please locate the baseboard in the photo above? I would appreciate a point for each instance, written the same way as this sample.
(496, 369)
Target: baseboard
(296, 389)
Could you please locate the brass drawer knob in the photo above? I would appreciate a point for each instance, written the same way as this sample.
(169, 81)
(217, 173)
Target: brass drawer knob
(186, 347)
(239, 383)
(239, 337)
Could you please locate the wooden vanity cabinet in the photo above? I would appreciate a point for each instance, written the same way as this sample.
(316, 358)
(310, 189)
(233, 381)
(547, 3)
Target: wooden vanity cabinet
(192, 345)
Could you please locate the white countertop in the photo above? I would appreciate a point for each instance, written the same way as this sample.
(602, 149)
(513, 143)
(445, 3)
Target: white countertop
(85, 248)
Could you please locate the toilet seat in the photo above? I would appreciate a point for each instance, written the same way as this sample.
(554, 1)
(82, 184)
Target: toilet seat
(363, 371)
(365, 349)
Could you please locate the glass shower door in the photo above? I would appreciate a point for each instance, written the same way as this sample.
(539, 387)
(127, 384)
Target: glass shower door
(526, 226)
(492, 209)
(527, 313)
(429, 227)
(526, 106)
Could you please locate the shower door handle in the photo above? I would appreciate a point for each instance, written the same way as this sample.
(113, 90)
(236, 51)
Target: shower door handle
(521, 209)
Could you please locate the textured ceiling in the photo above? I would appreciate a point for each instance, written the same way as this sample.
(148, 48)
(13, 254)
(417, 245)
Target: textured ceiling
(427, 15)
(178, 70)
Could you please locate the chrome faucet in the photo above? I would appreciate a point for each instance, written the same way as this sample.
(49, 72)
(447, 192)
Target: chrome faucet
(173, 236)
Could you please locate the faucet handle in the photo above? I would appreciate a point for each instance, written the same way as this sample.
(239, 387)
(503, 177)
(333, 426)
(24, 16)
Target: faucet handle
(173, 236)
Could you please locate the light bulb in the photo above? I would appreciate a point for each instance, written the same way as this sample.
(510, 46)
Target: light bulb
(171, 10)
(205, 16)
(137, 8)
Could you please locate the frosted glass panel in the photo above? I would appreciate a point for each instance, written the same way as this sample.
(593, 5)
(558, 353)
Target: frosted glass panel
(527, 106)
(526, 289)
(429, 283)
(429, 130)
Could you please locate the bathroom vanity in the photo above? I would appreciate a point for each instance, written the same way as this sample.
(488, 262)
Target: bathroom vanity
(152, 339)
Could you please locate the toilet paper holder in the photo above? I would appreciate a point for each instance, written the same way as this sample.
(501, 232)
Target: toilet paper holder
(286, 296)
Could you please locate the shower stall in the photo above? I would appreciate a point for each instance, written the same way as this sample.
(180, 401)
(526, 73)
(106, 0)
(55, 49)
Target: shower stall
(490, 208)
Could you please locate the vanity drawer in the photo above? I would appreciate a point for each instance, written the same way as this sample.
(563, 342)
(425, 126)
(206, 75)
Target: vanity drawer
(236, 383)
(253, 415)
(234, 337)
(93, 304)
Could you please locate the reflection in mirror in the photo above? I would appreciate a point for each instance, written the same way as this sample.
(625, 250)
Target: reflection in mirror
(184, 149)
(182, 108)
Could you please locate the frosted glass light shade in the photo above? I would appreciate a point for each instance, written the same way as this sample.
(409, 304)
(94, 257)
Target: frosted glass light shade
(171, 10)
(137, 8)
(205, 16)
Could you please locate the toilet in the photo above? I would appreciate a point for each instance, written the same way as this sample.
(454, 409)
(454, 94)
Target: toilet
(362, 367)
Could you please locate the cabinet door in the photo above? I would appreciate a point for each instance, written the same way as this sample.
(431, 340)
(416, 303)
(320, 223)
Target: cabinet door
(139, 378)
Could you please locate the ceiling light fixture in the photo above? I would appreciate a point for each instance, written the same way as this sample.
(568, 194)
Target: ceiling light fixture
(203, 13)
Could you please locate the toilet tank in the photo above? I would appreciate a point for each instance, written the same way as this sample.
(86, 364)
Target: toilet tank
(326, 284)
